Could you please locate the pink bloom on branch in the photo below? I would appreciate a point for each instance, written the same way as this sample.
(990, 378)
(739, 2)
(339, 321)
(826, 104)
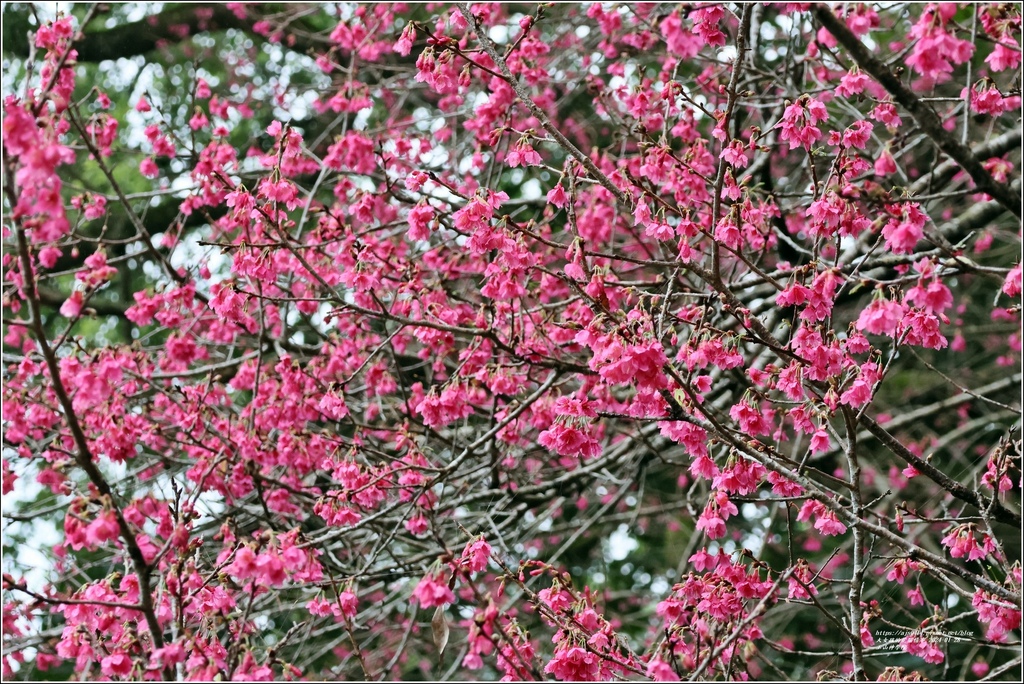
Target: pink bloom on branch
(820, 441)
(419, 219)
(557, 196)
(571, 434)
(917, 644)
(936, 50)
(1000, 619)
(735, 154)
(347, 603)
(433, 591)
(858, 135)
(574, 664)
(922, 329)
(333, 406)
(117, 665)
(244, 564)
(102, 529)
(404, 44)
(51, 35)
(881, 317)
(885, 165)
(622, 361)
(555, 598)
(753, 420)
(148, 168)
(798, 122)
(660, 671)
(901, 569)
(905, 230)
(828, 524)
(853, 83)
(1012, 284)
(934, 297)
(1004, 56)
(476, 555)
(98, 272)
(72, 306)
(439, 410)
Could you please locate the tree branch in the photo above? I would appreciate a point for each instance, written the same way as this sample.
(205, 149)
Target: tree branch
(541, 115)
(926, 118)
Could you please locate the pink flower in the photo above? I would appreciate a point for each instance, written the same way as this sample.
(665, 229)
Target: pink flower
(417, 525)
(660, 671)
(575, 664)
(348, 603)
(1012, 284)
(433, 591)
(1000, 619)
(901, 569)
(557, 196)
(798, 122)
(404, 44)
(988, 100)
(420, 217)
(98, 272)
(103, 528)
(828, 524)
(885, 165)
(333, 406)
(916, 644)
(735, 154)
(1005, 55)
(783, 486)
(72, 306)
(852, 83)
(936, 51)
(962, 541)
(922, 329)
(904, 232)
(439, 410)
(117, 665)
(712, 525)
(820, 441)
(198, 120)
(148, 168)
(244, 564)
(571, 435)
(522, 154)
(858, 134)
(753, 421)
(476, 555)
(555, 598)
(881, 317)
(52, 34)
(886, 113)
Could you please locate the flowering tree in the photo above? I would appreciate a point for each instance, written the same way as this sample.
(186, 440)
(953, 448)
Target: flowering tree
(577, 342)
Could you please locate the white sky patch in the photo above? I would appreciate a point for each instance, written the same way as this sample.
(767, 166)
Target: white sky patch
(619, 544)
(499, 34)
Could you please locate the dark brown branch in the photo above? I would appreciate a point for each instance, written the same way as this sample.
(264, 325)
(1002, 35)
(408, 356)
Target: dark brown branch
(542, 117)
(83, 456)
(925, 116)
(999, 512)
(944, 172)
